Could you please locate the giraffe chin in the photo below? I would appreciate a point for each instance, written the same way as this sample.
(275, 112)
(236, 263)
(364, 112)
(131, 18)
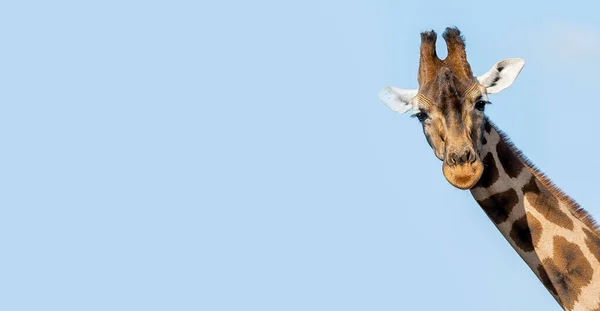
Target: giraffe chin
(463, 176)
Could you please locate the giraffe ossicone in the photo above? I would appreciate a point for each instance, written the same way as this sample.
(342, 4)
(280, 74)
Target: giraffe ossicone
(555, 237)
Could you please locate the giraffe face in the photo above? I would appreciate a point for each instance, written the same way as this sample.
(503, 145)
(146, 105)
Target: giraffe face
(450, 102)
(451, 112)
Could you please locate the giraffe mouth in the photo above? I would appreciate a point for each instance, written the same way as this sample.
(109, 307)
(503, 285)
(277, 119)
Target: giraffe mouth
(463, 176)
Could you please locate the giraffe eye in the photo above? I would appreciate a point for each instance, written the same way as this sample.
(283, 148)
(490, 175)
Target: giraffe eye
(421, 116)
(480, 105)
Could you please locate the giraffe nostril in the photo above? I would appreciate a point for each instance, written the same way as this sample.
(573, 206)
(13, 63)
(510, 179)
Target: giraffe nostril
(452, 158)
(471, 159)
(466, 157)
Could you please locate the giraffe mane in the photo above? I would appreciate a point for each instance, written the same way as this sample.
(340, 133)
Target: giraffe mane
(571, 204)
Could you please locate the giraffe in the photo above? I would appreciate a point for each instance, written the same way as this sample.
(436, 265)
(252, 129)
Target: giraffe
(555, 237)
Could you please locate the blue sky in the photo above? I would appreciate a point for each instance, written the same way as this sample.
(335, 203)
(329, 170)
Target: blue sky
(184, 155)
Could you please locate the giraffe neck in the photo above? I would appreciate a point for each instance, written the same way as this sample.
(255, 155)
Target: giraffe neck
(553, 235)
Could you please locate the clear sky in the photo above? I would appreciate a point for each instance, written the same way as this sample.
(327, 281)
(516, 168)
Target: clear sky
(233, 155)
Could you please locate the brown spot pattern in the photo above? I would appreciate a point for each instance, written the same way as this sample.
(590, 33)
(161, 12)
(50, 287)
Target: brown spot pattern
(488, 127)
(490, 172)
(568, 271)
(546, 204)
(546, 280)
(593, 243)
(526, 232)
(510, 162)
(499, 205)
(531, 186)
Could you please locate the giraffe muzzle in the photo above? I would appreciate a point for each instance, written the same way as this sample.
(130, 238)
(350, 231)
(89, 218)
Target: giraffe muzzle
(463, 176)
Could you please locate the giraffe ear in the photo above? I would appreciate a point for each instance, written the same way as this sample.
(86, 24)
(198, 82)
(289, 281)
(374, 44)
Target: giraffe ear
(501, 75)
(397, 99)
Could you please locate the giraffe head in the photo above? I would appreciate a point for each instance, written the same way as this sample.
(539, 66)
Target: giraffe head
(450, 104)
